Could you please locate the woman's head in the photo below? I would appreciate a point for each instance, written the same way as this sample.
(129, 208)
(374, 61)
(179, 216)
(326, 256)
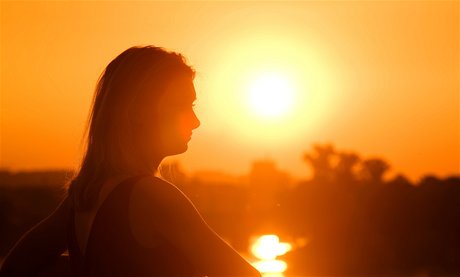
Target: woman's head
(142, 111)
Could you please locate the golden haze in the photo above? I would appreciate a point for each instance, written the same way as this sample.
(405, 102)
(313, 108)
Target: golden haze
(379, 78)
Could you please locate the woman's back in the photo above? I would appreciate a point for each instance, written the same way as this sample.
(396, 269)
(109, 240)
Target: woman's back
(112, 249)
(85, 219)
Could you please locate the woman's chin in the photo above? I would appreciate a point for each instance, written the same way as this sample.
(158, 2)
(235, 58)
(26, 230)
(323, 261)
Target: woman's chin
(178, 149)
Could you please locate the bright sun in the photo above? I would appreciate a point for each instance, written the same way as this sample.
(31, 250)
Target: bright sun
(271, 95)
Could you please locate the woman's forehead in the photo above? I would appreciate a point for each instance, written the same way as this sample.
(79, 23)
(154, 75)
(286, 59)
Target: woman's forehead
(182, 89)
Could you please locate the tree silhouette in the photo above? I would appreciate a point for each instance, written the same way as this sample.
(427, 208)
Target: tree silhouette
(373, 170)
(331, 166)
(345, 167)
(321, 162)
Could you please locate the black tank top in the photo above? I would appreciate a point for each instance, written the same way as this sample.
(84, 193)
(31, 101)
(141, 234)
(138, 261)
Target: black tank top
(113, 251)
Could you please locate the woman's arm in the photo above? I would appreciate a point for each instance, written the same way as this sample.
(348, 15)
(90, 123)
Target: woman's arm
(158, 206)
(39, 247)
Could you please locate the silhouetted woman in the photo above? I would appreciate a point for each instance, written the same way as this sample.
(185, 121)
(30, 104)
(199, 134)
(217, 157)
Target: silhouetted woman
(118, 218)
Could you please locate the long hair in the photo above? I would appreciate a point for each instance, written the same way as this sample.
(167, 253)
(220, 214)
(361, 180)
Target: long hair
(125, 92)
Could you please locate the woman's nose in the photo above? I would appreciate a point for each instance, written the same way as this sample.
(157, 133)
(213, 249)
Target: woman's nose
(195, 121)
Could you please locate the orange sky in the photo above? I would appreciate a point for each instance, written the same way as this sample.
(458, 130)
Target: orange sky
(378, 78)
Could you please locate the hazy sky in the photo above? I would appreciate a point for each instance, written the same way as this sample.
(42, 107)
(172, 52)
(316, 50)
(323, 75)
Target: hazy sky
(378, 78)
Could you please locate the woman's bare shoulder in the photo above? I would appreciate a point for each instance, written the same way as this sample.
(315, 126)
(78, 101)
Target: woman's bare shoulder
(159, 207)
(152, 186)
(155, 194)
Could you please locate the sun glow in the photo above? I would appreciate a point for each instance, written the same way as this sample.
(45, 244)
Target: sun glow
(271, 95)
(262, 93)
(267, 248)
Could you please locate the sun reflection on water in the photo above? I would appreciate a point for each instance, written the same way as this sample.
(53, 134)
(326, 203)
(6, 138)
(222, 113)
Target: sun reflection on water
(267, 248)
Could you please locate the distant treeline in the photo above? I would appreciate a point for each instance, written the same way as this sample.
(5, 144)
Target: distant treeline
(362, 228)
(352, 221)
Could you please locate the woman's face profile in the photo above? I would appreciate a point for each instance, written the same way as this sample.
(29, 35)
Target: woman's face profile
(176, 118)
